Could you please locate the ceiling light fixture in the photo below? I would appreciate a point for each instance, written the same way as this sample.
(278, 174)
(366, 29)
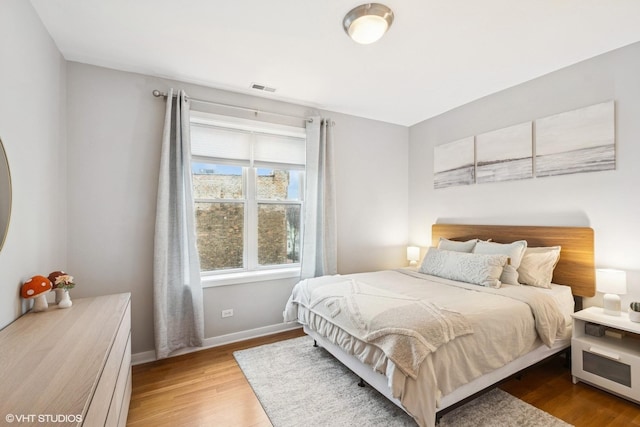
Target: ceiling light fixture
(367, 23)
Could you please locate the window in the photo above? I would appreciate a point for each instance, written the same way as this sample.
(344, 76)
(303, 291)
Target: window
(248, 180)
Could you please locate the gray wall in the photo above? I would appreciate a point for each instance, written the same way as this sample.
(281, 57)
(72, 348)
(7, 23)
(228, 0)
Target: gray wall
(32, 128)
(114, 133)
(606, 201)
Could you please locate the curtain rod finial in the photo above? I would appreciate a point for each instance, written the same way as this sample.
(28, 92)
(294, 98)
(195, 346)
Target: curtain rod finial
(157, 93)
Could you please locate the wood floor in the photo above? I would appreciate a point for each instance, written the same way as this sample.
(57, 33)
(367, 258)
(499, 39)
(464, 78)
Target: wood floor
(207, 388)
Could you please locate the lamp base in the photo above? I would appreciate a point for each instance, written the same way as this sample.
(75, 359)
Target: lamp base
(611, 304)
(413, 263)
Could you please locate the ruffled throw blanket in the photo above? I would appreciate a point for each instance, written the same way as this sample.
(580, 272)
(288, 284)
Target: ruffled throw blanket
(407, 330)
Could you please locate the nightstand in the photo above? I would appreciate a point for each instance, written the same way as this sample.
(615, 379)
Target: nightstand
(612, 361)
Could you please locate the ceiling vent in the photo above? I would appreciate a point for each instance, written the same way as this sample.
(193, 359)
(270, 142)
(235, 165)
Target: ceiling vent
(258, 86)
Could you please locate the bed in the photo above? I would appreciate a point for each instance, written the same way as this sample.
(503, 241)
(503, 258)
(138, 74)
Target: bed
(429, 341)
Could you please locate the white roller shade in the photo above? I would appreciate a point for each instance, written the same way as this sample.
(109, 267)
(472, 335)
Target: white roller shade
(270, 149)
(246, 142)
(218, 143)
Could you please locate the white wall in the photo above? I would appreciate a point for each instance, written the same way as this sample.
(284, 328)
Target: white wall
(114, 131)
(372, 190)
(606, 201)
(32, 128)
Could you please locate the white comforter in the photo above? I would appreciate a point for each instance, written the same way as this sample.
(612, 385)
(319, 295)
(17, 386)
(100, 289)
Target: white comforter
(507, 323)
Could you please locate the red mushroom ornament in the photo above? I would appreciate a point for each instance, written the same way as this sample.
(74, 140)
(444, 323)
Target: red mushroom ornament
(36, 288)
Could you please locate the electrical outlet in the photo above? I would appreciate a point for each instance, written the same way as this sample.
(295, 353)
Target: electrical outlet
(227, 313)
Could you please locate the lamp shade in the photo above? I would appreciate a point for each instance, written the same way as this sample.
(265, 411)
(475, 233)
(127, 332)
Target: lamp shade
(368, 29)
(611, 281)
(413, 253)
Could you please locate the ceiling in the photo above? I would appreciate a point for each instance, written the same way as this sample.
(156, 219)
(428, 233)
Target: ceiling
(438, 54)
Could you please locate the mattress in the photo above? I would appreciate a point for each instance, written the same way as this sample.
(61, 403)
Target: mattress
(504, 329)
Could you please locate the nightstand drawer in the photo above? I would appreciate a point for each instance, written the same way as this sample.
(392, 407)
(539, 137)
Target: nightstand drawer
(613, 369)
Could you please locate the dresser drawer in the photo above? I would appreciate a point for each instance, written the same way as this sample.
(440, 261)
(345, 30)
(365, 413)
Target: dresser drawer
(105, 390)
(124, 410)
(118, 400)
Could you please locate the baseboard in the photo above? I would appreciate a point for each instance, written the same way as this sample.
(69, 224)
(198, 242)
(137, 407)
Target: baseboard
(150, 356)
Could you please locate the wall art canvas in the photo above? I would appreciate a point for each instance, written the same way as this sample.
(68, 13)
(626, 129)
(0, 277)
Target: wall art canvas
(505, 154)
(454, 163)
(577, 141)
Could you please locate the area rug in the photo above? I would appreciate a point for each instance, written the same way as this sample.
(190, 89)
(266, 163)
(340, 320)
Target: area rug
(301, 385)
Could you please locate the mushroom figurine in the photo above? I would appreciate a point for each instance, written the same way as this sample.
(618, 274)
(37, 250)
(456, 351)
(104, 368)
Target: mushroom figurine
(36, 289)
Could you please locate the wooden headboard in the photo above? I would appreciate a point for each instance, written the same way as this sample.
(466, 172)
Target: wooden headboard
(576, 267)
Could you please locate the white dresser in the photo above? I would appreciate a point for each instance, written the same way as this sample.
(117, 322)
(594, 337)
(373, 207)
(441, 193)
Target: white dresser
(68, 367)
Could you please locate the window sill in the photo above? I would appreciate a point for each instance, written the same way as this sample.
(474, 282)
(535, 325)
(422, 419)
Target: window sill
(249, 277)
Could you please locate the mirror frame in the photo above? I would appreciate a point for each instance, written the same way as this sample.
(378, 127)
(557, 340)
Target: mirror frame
(5, 164)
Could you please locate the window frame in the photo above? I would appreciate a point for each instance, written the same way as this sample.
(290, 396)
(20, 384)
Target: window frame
(255, 202)
(252, 271)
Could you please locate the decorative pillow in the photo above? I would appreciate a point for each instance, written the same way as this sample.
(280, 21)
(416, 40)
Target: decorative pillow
(515, 252)
(537, 265)
(452, 245)
(479, 269)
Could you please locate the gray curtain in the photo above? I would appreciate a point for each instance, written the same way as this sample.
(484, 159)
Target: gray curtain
(319, 248)
(177, 290)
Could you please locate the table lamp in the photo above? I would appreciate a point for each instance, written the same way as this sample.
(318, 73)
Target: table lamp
(413, 255)
(612, 283)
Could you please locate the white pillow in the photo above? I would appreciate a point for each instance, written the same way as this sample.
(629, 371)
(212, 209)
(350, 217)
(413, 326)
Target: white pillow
(479, 269)
(452, 245)
(537, 265)
(515, 252)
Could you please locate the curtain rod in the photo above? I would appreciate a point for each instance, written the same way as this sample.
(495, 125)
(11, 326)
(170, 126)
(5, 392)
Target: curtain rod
(159, 94)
